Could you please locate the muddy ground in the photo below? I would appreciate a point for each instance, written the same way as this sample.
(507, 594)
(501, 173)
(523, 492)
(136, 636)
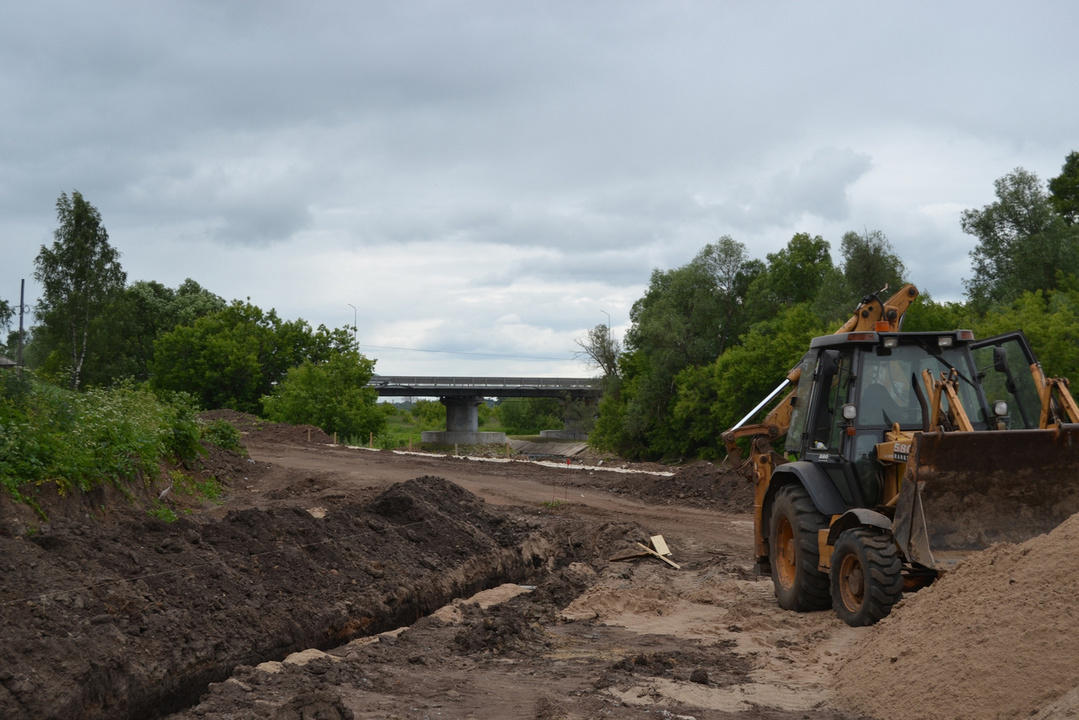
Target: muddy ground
(333, 582)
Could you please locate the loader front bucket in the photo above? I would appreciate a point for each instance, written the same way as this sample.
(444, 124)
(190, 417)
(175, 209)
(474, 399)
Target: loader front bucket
(964, 491)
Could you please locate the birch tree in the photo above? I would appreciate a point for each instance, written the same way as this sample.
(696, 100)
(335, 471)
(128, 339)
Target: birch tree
(80, 277)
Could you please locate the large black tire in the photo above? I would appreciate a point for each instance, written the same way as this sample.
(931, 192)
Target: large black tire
(793, 551)
(866, 576)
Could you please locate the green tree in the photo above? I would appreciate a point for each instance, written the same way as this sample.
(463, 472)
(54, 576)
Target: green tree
(429, 414)
(868, 266)
(1023, 243)
(233, 357)
(601, 350)
(712, 398)
(1050, 321)
(81, 278)
(6, 313)
(332, 395)
(1064, 190)
(686, 318)
(144, 312)
(527, 416)
(732, 271)
(792, 275)
(927, 315)
(675, 324)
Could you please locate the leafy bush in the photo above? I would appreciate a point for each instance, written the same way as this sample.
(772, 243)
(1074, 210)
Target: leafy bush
(332, 395)
(186, 429)
(80, 441)
(224, 435)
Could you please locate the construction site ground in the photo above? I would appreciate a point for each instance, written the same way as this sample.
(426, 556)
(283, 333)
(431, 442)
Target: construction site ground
(333, 582)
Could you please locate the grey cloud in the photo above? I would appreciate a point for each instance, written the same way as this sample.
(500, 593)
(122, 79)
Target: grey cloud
(610, 267)
(817, 187)
(600, 139)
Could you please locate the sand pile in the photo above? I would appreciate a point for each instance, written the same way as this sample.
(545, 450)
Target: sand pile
(997, 638)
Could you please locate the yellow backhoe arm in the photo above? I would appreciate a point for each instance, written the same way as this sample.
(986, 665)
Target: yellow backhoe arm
(1058, 405)
(947, 386)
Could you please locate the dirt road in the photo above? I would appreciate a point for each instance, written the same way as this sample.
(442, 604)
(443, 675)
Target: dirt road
(627, 646)
(346, 552)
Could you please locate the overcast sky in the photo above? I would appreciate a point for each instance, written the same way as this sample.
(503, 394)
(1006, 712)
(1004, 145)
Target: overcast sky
(488, 179)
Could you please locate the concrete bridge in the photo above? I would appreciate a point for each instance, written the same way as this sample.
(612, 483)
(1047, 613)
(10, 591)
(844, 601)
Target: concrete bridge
(462, 397)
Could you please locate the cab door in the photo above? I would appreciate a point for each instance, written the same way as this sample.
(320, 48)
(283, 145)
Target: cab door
(1004, 363)
(826, 442)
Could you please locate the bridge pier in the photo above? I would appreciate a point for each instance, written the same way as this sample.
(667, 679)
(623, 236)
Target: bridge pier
(462, 424)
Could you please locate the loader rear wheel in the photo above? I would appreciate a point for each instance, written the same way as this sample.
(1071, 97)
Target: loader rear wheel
(793, 551)
(866, 576)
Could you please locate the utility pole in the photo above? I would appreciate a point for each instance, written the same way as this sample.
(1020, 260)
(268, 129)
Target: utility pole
(22, 308)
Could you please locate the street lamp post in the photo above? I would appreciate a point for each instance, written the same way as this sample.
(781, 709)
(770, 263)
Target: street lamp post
(355, 327)
(608, 333)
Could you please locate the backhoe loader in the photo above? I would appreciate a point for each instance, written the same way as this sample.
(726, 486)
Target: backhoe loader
(903, 452)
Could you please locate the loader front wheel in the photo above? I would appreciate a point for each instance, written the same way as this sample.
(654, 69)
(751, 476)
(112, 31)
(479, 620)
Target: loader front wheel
(793, 551)
(866, 576)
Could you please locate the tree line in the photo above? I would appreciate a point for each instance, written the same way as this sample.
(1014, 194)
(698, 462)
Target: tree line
(94, 329)
(710, 339)
(707, 340)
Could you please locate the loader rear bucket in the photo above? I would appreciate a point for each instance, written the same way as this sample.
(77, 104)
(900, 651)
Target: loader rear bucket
(964, 491)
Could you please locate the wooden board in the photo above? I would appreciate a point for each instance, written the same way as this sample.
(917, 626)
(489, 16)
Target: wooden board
(660, 545)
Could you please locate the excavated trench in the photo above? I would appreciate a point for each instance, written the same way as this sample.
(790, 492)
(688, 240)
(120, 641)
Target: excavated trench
(136, 619)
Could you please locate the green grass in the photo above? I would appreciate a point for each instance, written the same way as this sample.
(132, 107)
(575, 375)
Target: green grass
(162, 512)
(186, 486)
(190, 486)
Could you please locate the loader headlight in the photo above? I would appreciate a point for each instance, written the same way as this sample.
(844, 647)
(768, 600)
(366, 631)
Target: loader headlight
(945, 341)
(1000, 408)
(850, 412)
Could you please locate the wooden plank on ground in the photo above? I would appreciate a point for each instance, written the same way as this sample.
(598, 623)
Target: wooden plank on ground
(650, 551)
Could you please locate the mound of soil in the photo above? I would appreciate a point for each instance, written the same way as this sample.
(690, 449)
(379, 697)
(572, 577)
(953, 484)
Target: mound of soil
(700, 484)
(134, 616)
(996, 638)
(269, 432)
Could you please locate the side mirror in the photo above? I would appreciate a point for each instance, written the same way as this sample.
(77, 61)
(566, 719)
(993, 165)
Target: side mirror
(1000, 359)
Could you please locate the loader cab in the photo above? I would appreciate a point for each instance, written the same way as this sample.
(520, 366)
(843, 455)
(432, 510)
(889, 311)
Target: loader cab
(854, 387)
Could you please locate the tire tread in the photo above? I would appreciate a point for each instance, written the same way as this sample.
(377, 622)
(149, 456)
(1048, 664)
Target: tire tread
(812, 587)
(882, 570)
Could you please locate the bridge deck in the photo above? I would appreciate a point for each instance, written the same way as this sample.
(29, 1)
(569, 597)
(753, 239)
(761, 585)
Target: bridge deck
(434, 386)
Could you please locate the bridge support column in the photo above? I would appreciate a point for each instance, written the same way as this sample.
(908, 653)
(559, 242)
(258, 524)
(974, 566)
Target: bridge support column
(462, 424)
